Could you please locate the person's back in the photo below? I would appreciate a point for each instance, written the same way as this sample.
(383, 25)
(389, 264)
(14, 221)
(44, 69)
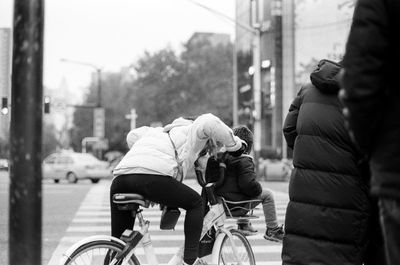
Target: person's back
(372, 101)
(327, 217)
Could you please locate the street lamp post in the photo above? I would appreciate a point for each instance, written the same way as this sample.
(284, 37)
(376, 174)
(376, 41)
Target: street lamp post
(98, 111)
(99, 73)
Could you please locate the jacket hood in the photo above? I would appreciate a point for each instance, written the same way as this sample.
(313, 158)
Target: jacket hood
(325, 77)
(134, 135)
(176, 123)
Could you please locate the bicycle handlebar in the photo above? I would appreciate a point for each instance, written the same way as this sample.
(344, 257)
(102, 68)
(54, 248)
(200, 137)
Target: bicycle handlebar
(202, 182)
(210, 187)
(199, 175)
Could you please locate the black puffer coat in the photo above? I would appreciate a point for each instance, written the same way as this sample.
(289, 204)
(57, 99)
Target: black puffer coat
(371, 80)
(328, 214)
(240, 178)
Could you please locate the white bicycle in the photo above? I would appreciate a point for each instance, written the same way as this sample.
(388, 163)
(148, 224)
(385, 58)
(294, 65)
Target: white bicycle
(231, 247)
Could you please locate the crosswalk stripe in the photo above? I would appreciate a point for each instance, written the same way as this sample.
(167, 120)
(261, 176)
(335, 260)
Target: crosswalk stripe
(93, 218)
(98, 220)
(172, 250)
(160, 238)
(106, 207)
(148, 213)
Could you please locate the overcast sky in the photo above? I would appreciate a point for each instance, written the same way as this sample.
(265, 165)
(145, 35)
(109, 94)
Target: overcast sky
(114, 33)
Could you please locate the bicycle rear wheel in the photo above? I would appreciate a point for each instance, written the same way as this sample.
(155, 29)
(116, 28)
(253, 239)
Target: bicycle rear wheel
(98, 252)
(243, 247)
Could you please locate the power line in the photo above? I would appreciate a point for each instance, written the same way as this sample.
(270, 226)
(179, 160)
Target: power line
(220, 14)
(330, 24)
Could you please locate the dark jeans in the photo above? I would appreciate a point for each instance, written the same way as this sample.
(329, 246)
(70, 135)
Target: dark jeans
(164, 190)
(389, 210)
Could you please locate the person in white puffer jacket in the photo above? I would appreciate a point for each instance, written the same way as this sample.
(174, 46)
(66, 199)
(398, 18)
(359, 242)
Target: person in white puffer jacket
(158, 159)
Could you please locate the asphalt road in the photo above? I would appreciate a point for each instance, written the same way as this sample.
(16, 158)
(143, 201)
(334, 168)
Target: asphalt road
(60, 202)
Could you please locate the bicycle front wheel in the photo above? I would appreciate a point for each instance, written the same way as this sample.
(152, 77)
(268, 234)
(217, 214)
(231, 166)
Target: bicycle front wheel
(99, 252)
(244, 253)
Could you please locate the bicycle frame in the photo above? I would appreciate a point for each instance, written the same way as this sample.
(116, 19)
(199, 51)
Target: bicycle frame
(176, 259)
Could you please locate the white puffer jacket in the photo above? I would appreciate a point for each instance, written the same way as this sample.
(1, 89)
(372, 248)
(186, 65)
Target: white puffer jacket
(151, 150)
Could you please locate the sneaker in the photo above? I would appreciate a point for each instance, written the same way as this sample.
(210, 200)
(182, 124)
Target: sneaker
(274, 234)
(247, 229)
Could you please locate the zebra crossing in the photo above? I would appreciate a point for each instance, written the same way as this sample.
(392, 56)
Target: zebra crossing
(93, 218)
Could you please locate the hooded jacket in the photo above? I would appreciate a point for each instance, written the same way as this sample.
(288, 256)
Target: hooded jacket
(328, 213)
(371, 83)
(151, 150)
(240, 180)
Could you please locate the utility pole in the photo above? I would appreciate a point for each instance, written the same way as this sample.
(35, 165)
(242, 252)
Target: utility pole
(235, 102)
(276, 12)
(257, 95)
(288, 42)
(99, 73)
(256, 21)
(25, 211)
(98, 110)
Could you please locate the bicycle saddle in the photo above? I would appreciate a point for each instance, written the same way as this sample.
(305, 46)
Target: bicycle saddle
(130, 198)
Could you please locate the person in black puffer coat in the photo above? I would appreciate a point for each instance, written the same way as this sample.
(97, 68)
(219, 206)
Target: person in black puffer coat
(329, 218)
(371, 95)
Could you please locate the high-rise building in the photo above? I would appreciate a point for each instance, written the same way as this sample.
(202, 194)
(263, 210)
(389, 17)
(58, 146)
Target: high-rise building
(249, 13)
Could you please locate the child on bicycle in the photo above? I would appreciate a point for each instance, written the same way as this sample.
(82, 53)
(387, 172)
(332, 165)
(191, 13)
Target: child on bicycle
(240, 184)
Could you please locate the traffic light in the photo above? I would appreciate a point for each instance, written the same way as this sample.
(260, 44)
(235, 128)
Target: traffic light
(46, 104)
(4, 106)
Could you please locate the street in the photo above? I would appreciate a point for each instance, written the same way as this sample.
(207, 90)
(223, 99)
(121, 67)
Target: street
(74, 211)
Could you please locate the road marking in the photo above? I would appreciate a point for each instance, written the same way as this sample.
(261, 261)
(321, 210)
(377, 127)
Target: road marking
(97, 193)
(93, 218)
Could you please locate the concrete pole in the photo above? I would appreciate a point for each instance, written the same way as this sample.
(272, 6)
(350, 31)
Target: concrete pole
(235, 94)
(235, 103)
(289, 87)
(133, 117)
(277, 119)
(25, 211)
(257, 94)
(99, 87)
(256, 80)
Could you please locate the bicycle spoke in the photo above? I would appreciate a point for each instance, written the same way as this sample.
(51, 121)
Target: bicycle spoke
(241, 255)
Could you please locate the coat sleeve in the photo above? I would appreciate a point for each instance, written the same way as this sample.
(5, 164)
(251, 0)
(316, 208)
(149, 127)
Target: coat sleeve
(365, 63)
(289, 126)
(247, 178)
(212, 170)
(208, 126)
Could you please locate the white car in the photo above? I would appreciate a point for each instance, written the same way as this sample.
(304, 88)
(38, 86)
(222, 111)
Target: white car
(3, 164)
(72, 166)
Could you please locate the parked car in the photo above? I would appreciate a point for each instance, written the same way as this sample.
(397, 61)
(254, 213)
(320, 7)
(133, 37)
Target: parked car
(3, 164)
(73, 166)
